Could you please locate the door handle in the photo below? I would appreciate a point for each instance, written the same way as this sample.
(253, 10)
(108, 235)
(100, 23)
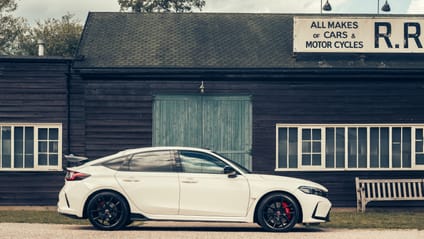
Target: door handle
(189, 180)
(130, 180)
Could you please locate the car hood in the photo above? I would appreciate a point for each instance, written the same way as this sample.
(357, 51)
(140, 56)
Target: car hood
(297, 182)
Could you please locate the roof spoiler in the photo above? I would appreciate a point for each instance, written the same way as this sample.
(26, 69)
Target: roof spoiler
(73, 159)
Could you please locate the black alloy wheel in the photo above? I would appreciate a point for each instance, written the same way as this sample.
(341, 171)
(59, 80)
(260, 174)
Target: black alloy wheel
(108, 211)
(278, 212)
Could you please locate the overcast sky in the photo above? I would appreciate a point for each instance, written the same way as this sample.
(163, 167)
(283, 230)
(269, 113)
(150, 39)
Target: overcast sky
(43, 9)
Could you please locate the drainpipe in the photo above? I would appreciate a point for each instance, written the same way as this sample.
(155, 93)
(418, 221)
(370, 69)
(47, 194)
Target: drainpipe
(68, 105)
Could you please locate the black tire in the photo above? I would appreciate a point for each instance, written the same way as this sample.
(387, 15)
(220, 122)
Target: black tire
(278, 212)
(108, 211)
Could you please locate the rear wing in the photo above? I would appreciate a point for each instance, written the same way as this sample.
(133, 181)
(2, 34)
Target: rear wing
(75, 160)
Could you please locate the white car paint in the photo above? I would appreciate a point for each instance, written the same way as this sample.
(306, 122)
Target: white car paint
(188, 196)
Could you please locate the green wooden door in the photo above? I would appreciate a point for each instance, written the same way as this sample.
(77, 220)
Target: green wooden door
(220, 123)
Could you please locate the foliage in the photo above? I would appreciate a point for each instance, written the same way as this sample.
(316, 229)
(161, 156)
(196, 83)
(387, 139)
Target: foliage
(161, 5)
(61, 37)
(11, 28)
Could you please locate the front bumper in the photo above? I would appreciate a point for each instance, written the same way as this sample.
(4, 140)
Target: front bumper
(322, 211)
(315, 209)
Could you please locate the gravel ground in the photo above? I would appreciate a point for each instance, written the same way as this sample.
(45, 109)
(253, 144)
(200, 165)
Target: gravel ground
(189, 230)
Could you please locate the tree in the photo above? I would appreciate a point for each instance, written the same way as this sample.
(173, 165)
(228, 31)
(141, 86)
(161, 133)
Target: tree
(161, 5)
(11, 28)
(61, 37)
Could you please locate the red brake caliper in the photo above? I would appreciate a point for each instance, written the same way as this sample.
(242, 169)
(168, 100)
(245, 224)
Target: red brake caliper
(286, 210)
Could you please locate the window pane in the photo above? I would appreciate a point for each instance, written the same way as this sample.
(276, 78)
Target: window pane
(362, 147)
(53, 134)
(419, 146)
(53, 147)
(329, 148)
(293, 148)
(306, 147)
(375, 148)
(42, 134)
(306, 160)
(316, 134)
(419, 134)
(396, 156)
(160, 161)
(396, 135)
(29, 147)
(306, 134)
(53, 159)
(316, 147)
(419, 141)
(340, 147)
(19, 147)
(384, 147)
(6, 145)
(194, 162)
(352, 148)
(42, 147)
(420, 159)
(406, 147)
(316, 159)
(396, 147)
(282, 148)
(42, 159)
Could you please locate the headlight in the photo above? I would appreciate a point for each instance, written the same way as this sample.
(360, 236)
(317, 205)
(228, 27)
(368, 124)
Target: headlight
(313, 191)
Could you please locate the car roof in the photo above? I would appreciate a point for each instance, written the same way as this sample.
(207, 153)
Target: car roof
(146, 149)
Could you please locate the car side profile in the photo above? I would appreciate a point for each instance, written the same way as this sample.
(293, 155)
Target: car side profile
(187, 184)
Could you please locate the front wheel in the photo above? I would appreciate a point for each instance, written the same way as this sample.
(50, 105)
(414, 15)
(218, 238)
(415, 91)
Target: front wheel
(108, 211)
(278, 212)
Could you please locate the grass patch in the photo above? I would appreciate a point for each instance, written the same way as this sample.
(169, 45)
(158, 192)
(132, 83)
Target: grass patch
(375, 219)
(48, 217)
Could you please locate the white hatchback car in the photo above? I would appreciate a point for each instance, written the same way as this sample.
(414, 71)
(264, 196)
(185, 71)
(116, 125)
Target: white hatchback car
(187, 184)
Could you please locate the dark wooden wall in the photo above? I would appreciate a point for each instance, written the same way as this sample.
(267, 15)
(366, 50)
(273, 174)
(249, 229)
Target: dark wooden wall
(118, 114)
(33, 91)
(108, 114)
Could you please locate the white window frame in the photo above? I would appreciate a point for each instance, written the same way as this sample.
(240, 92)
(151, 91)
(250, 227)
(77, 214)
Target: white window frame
(300, 148)
(413, 144)
(36, 126)
(414, 166)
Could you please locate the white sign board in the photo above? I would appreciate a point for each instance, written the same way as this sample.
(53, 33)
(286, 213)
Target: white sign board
(358, 34)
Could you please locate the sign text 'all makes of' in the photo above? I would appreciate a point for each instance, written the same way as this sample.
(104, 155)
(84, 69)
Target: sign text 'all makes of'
(358, 35)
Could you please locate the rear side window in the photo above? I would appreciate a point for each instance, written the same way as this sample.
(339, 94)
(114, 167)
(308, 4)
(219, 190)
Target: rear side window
(116, 164)
(156, 161)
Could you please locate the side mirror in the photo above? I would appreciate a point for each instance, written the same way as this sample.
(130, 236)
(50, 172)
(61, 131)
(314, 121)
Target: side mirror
(230, 171)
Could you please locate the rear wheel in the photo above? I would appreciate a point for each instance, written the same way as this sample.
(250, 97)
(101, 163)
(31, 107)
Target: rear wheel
(108, 211)
(278, 212)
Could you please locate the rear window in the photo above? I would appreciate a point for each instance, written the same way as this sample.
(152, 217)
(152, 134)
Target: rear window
(156, 161)
(116, 164)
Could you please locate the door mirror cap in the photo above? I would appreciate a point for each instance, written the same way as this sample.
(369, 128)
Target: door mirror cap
(230, 171)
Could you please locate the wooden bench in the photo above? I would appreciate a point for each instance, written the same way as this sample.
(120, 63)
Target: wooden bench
(368, 190)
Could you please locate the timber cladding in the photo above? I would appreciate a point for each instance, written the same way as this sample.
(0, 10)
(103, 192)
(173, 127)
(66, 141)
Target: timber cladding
(118, 114)
(33, 91)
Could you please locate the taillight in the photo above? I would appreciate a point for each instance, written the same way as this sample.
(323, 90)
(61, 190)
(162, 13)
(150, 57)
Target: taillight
(76, 176)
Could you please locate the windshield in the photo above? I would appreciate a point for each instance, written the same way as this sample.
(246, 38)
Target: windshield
(239, 166)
